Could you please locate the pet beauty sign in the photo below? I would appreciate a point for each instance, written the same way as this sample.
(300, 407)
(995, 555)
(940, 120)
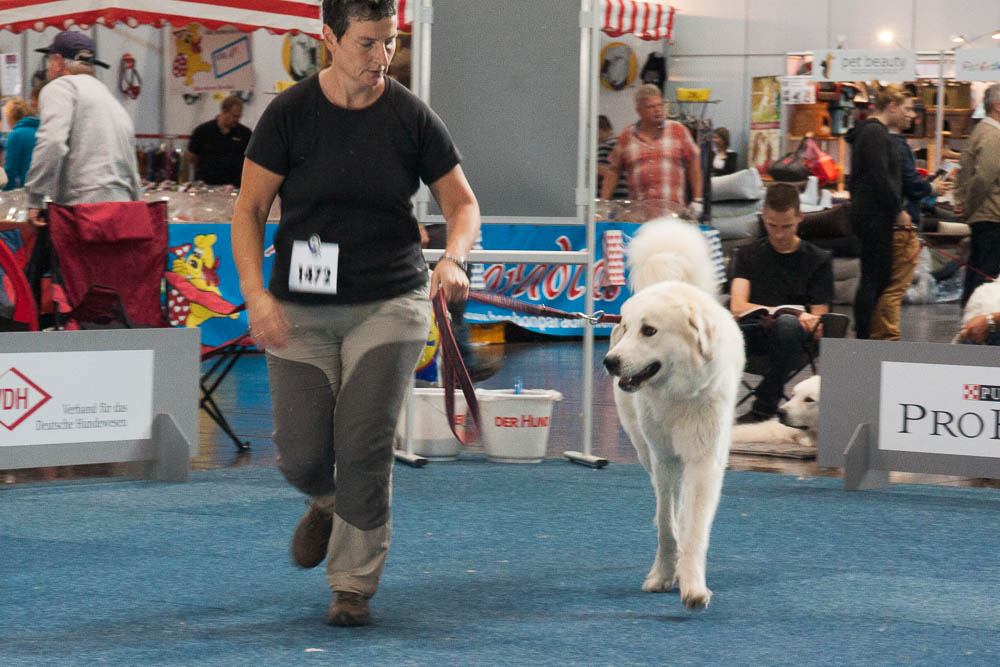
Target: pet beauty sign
(940, 409)
(863, 65)
(71, 397)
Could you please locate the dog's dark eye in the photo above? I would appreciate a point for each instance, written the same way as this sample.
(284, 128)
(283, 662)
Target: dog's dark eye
(648, 330)
(810, 400)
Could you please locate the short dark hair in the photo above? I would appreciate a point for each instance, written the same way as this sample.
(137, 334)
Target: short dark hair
(604, 123)
(782, 197)
(230, 102)
(338, 13)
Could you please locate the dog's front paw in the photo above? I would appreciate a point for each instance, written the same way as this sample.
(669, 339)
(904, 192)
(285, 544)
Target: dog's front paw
(659, 581)
(695, 598)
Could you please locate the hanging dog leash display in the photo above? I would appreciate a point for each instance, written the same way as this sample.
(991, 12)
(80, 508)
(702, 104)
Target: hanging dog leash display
(129, 81)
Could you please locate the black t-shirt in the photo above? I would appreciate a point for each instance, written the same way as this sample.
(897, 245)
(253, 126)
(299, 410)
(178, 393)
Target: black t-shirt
(220, 156)
(349, 176)
(803, 277)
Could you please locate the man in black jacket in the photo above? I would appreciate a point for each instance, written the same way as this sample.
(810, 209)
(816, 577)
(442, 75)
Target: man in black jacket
(889, 245)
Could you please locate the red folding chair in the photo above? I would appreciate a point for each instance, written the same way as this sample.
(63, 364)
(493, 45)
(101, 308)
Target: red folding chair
(15, 284)
(109, 259)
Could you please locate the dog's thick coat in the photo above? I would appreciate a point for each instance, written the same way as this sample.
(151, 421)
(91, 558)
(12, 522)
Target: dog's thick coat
(797, 423)
(678, 356)
(984, 300)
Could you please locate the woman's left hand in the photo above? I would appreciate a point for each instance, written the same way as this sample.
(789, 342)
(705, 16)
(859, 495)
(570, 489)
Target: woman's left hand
(451, 280)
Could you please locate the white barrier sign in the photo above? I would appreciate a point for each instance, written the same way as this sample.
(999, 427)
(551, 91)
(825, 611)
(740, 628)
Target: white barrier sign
(66, 397)
(863, 65)
(977, 64)
(940, 409)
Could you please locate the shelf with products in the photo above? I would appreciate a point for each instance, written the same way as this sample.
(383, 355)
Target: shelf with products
(837, 152)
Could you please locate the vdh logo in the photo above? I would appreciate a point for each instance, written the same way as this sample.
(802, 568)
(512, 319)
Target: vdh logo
(19, 397)
(981, 392)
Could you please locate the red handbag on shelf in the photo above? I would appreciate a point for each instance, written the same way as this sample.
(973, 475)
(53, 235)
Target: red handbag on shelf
(820, 164)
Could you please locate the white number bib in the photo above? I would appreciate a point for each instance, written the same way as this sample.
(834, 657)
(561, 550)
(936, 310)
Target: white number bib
(314, 266)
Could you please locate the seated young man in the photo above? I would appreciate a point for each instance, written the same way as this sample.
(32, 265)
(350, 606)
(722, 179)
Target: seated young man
(780, 269)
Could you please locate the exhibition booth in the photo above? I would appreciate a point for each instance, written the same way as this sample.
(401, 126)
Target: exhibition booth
(535, 183)
(543, 239)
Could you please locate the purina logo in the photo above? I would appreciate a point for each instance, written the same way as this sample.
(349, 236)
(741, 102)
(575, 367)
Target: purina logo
(981, 392)
(19, 397)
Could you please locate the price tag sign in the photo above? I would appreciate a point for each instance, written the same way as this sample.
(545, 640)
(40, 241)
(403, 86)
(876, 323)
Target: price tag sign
(231, 57)
(314, 266)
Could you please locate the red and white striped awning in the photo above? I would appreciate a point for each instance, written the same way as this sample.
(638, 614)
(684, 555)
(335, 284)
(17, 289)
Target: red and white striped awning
(645, 19)
(276, 16)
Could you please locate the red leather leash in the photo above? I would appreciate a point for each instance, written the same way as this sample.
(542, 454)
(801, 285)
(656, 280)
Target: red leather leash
(454, 372)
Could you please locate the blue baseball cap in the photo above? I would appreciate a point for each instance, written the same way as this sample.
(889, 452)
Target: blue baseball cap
(73, 45)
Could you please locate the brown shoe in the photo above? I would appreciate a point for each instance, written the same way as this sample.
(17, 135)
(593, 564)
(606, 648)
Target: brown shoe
(311, 537)
(348, 610)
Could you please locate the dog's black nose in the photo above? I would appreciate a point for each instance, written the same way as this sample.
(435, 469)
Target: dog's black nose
(613, 364)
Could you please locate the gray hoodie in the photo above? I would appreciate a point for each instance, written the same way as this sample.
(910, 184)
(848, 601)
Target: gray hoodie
(85, 146)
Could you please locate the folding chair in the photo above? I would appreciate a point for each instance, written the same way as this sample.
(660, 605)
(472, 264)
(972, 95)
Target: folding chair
(109, 259)
(15, 284)
(834, 326)
(223, 356)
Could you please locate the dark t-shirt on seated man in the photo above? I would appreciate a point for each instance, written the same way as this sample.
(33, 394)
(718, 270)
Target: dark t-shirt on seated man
(803, 277)
(220, 154)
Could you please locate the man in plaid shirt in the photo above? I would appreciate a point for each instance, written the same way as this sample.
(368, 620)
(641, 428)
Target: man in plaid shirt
(658, 155)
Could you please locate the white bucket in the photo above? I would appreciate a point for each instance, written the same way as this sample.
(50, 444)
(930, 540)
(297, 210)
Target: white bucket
(515, 427)
(432, 437)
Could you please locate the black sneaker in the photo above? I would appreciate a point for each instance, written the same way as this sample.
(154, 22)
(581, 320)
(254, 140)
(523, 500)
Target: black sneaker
(753, 417)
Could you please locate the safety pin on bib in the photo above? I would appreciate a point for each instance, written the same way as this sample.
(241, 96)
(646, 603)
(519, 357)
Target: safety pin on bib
(315, 244)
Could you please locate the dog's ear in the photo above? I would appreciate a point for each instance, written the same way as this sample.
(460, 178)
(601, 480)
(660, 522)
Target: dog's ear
(616, 335)
(703, 331)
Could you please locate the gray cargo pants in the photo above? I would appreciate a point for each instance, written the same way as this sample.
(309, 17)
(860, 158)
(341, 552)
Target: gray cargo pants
(337, 388)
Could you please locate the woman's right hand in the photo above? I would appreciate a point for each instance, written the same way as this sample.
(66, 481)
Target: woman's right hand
(268, 325)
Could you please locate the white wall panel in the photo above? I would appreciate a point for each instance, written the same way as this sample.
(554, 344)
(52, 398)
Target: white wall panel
(143, 43)
(936, 22)
(710, 26)
(779, 26)
(860, 21)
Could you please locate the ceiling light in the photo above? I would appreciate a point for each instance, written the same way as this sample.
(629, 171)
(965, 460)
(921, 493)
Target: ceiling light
(886, 37)
(996, 35)
(958, 39)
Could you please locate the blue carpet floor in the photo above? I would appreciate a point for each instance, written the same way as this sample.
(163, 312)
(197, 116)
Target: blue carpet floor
(495, 564)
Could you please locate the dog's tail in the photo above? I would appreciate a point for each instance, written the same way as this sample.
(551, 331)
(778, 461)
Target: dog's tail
(666, 249)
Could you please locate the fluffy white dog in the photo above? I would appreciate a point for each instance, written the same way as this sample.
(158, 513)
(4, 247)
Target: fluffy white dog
(984, 300)
(678, 356)
(797, 422)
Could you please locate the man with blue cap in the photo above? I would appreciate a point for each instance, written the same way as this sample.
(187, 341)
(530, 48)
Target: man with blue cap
(85, 144)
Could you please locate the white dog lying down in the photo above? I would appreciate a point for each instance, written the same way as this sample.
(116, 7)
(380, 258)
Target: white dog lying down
(984, 300)
(678, 357)
(797, 422)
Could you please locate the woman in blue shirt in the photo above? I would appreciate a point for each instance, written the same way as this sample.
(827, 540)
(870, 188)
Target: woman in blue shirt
(20, 141)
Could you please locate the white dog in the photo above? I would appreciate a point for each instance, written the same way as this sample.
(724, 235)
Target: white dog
(798, 421)
(678, 356)
(984, 300)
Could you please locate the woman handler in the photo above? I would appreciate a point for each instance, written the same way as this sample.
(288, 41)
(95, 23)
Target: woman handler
(346, 313)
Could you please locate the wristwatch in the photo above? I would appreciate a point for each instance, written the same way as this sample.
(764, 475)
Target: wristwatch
(462, 264)
(991, 324)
